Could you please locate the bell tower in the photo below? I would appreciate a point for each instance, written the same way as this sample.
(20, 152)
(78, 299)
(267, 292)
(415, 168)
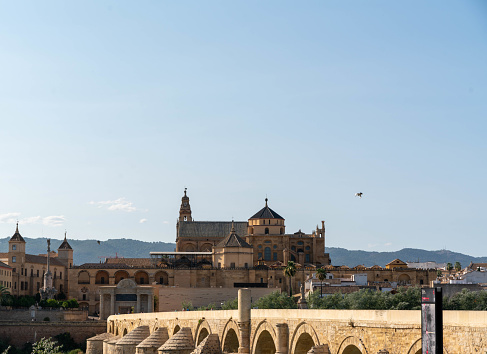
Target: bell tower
(185, 210)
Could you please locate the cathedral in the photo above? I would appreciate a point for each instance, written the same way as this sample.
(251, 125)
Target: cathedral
(264, 233)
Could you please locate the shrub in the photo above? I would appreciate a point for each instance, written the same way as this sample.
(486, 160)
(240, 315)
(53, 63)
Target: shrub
(230, 304)
(46, 346)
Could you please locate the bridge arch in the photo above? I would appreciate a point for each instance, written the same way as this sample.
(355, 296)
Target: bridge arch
(203, 330)
(352, 345)
(230, 341)
(264, 340)
(303, 339)
(416, 348)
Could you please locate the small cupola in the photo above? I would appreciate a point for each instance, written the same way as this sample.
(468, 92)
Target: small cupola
(266, 222)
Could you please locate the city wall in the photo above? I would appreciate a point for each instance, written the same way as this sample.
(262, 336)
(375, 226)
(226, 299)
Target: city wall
(20, 333)
(170, 298)
(54, 315)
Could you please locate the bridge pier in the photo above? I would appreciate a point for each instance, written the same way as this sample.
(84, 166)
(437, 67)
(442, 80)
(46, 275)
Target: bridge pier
(282, 338)
(244, 306)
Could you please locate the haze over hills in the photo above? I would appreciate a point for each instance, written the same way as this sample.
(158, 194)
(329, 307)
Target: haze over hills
(89, 251)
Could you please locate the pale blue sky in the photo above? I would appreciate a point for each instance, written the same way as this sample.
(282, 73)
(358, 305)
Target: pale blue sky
(126, 103)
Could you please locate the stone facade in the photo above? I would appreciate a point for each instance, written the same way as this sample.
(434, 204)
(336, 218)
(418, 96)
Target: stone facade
(265, 231)
(6, 276)
(27, 276)
(126, 297)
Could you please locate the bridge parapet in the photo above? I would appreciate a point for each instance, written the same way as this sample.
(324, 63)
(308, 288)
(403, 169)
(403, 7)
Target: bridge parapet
(297, 331)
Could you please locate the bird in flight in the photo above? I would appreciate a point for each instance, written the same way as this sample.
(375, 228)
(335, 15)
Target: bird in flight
(359, 194)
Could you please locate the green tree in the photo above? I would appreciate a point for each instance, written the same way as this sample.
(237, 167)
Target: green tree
(439, 273)
(275, 300)
(290, 271)
(458, 266)
(449, 266)
(46, 346)
(4, 292)
(321, 273)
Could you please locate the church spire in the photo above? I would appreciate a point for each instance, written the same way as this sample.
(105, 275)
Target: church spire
(185, 209)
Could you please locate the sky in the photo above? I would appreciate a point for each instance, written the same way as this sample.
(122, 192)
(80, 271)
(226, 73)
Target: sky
(109, 109)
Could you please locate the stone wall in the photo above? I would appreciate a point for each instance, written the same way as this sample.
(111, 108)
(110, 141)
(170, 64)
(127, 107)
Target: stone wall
(20, 333)
(54, 315)
(367, 330)
(170, 298)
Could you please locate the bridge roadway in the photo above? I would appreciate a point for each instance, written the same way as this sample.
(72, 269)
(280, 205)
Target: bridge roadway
(297, 331)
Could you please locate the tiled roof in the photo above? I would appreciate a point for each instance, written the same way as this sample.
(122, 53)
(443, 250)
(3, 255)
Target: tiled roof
(210, 228)
(266, 213)
(65, 245)
(396, 261)
(476, 265)
(233, 240)
(31, 258)
(17, 236)
(3, 265)
(131, 262)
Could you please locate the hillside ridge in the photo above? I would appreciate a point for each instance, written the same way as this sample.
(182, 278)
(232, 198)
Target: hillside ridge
(89, 251)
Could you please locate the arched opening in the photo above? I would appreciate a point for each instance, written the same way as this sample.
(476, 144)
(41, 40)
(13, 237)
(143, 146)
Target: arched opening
(161, 278)
(404, 279)
(121, 275)
(189, 248)
(351, 349)
(251, 231)
(203, 334)
(141, 277)
(265, 344)
(206, 247)
(266, 231)
(176, 329)
(101, 277)
(83, 277)
(304, 344)
(281, 231)
(124, 332)
(231, 342)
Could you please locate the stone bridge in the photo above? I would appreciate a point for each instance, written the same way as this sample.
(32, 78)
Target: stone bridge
(259, 331)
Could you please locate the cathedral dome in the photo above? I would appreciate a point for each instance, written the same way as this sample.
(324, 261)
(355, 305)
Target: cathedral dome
(266, 213)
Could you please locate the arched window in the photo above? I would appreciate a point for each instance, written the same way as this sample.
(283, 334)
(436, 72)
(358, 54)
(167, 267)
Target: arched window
(266, 231)
(267, 253)
(282, 231)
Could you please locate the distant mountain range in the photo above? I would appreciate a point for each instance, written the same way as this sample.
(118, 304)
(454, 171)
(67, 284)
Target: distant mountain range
(89, 251)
